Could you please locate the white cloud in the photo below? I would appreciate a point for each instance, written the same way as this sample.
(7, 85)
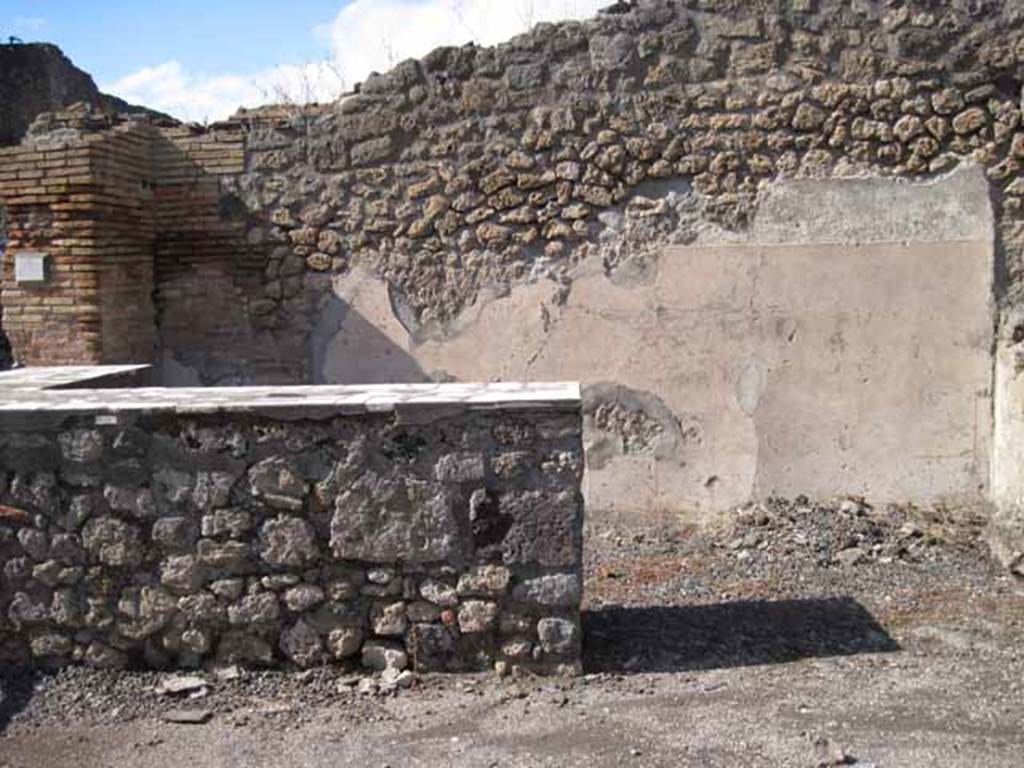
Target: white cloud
(367, 35)
(29, 23)
(374, 35)
(169, 88)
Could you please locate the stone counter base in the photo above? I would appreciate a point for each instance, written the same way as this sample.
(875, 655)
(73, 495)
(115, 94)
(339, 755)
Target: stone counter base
(443, 540)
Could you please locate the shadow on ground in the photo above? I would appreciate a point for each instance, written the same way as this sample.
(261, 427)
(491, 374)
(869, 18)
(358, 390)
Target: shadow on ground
(743, 633)
(16, 687)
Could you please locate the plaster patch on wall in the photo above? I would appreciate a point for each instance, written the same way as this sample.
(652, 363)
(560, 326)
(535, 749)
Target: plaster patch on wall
(750, 385)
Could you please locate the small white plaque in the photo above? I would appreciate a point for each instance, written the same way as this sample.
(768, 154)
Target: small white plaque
(30, 267)
(109, 420)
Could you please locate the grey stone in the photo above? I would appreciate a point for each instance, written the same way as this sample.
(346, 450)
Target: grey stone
(383, 655)
(303, 596)
(343, 589)
(173, 533)
(460, 468)
(201, 608)
(48, 572)
(344, 642)
(487, 580)
(252, 609)
(181, 574)
(135, 501)
(231, 522)
(278, 581)
(302, 645)
(477, 616)
(616, 52)
(229, 554)
(173, 485)
(278, 483)
(559, 636)
(112, 541)
(212, 490)
(561, 589)
(80, 508)
(394, 521)
(66, 608)
(66, 547)
(422, 612)
(192, 716)
(516, 648)
(81, 446)
(388, 619)
(380, 576)
(438, 592)
(34, 542)
(240, 646)
(144, 612)
(50, 644)
(102, 656)
(288, 542)
(24, 610)
(229, 589)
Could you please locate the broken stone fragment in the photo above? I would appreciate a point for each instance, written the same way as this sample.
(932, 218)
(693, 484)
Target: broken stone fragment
(382, 655)
(278, 483)
(487, 580)
(388, 618)
(230, 522)
(557, 635)
(228, 554)
(187, 716)
(561, 589)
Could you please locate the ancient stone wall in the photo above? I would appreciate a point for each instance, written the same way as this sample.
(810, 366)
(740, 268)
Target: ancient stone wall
(440, 526)
(559, 206)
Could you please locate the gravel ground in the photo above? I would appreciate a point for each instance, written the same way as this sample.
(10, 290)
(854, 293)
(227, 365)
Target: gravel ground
(799, 635)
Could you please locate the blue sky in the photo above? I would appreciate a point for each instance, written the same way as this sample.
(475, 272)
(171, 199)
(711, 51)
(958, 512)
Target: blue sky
(201, 60)
(113, 38)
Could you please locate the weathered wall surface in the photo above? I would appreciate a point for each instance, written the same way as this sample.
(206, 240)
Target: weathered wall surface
(525, 188)
(841, 345)
(444, 530)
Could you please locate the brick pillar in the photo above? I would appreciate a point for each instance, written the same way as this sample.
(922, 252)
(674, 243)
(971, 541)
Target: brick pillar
(81, 205)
